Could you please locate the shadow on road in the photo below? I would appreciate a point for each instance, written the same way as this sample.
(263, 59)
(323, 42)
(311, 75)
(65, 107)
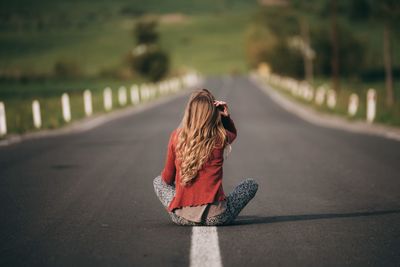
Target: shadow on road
(243, 220)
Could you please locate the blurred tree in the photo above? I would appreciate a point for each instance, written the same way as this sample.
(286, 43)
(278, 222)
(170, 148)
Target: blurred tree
(268, 40)
(388, 12)
(66, 69)
(145, 31)
(306, 50)
(334, 45)
(153, 63)
(359, 10)
(351, 56)
(147, 58)
(263, 45)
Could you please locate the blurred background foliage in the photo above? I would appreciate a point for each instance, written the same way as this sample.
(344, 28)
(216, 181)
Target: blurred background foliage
(148, 58)
(50, 47)
(35, 36)
(360, 38)
(353, 43)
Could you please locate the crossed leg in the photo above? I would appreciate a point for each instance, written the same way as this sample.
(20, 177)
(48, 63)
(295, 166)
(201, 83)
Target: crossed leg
(236, 201)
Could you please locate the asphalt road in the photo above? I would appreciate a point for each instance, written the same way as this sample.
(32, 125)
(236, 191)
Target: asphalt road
(326, 197)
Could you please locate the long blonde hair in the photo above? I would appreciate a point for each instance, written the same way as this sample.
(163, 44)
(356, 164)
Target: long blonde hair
(201, 130)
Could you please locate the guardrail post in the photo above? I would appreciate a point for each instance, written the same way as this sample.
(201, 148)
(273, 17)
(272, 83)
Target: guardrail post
(107, 95)
(320, 95)
(135, 97)
(144, 92)
(331, 99)
(371, 105)
(3, 121)
(66, 108)
(153, 91)
(87, 102)
(122, 99)
(37, 118)
(353, 105)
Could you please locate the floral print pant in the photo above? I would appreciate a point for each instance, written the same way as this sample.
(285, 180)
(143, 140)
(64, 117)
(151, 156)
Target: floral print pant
(236, 201)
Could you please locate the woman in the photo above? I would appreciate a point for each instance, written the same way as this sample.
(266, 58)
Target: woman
(190, 185)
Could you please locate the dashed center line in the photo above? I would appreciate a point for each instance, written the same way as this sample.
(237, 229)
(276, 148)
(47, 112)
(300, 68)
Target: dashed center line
(204, 250)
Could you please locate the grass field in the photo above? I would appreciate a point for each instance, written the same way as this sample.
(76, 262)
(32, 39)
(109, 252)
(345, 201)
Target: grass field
(208, 43)
(96, 36)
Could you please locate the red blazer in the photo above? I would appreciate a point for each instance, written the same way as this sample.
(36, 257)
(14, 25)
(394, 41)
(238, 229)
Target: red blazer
(207, 186)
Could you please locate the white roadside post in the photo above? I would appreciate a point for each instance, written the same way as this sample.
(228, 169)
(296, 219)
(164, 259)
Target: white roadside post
(163, 90)
(310, 94)
(160, 88)
(172, 86)
(142, 93)
(353, 105)
(153, 91)
(179, 83)
(295, 88)
(303, 90)
(331, 99)
(183, 82)
(3, 123)
(87, 102)
(122, 98)
(135, 98)
(167, 85)
(150, 92)
(176, 82)
(66, 108)
(320, 95)
(37, 118)
(107, 98)
(371, 105)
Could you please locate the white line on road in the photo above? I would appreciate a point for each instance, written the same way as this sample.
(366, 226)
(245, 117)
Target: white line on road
(204, 250)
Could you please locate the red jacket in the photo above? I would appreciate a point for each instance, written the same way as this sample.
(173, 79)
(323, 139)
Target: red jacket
(207, 186)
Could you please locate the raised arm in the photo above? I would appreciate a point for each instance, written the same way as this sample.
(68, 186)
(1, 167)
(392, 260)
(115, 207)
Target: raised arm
(169, 171)
(230, 128)
(226, 120)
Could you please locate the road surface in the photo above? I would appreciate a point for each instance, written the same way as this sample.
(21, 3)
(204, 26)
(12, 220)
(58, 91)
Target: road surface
(326, 197)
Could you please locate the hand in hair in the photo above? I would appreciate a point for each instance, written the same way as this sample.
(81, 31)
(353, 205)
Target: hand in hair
(222, 107)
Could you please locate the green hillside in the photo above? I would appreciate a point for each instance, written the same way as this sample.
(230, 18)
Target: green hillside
(95, 35)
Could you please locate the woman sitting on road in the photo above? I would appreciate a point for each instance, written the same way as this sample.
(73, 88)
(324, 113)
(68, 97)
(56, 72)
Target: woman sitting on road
(190, 185)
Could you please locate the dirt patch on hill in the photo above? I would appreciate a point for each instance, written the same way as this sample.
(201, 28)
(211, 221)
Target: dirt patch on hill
(173, 18)
(273, 2)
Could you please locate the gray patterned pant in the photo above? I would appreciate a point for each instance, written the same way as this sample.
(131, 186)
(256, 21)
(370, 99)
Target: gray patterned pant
(236, 201)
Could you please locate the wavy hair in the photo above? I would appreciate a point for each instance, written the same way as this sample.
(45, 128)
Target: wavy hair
(201, 130)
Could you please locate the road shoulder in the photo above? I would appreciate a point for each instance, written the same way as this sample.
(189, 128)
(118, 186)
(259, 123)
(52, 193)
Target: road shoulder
(325, 120)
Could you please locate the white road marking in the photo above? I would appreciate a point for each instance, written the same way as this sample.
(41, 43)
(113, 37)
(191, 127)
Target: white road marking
(204, 250)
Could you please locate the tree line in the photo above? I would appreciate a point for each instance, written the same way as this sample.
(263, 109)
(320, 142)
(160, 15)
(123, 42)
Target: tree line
(334, 38)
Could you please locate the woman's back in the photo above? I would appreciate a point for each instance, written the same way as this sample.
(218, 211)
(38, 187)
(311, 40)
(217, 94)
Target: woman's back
(207, 186)
(190, 185)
